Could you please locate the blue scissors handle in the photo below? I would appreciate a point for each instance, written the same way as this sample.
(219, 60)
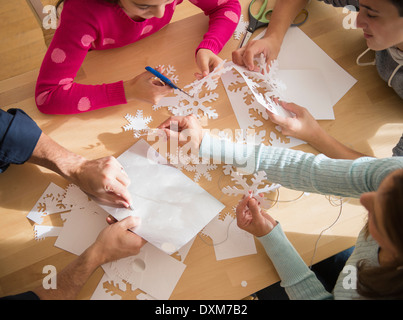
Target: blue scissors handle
(162, 77)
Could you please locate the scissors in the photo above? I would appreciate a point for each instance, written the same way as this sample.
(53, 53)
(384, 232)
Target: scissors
(261, 20)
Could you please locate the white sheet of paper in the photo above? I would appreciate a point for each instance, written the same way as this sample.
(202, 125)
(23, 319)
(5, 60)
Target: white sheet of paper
(299, 52)
(151, 270)
(81, 229)
(49, 203)
(229, 240)
(172, 207)
(308, 89)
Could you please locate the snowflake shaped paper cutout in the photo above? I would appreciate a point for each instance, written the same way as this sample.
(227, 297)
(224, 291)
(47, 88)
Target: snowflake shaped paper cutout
(138, 124)
(241, 28)
(200, 99)
(244, 188)
(192, 163)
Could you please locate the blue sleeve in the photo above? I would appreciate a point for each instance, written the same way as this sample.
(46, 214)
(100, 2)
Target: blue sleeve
(19, 135)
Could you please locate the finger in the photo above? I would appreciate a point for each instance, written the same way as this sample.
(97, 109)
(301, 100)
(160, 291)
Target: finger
(254, 208)
(117, 194)
(242, 206)
(237, 56)
(130, 222)
(171, 120)
(111, 220)
(248, 57)
(292, 107)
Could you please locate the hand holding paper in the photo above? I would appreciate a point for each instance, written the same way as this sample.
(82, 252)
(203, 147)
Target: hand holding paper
(183, 128)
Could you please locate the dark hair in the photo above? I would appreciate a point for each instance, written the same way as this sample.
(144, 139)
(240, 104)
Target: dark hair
(386, 282)
(399, 6)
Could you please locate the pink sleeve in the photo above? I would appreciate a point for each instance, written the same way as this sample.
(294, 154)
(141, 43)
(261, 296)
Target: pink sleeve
(56, 92)
(224, 16)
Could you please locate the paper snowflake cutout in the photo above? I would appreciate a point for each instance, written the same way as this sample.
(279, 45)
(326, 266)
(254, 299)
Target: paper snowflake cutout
(138, 124)
(241, 27)
(244, 188)
(169, 72)
(200, 99)
(192, 163)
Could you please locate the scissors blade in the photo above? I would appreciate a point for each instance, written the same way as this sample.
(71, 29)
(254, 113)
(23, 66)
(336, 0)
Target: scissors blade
(245, 39)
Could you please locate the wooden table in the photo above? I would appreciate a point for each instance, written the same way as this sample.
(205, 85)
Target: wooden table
(368, 118)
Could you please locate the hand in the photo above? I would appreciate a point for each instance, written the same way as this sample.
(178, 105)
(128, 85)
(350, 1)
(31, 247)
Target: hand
(104, 179)
(244, 56)
(116, 241)
(252, 219)
(181, 128)
(302, 126)
(206, 61)
(146, 88)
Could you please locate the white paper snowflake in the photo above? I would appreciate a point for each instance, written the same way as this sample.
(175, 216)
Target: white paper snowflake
(240, 28)
(244, 188)
(192, 163)
(200, 99)
(138, 124)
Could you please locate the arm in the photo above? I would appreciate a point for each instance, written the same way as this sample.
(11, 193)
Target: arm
(291, 168)
(284, 13)
(297, 279)
(224, 18)
(102, 178)
(19, 135)
(56, 91)
(114, 242)
(303, 126)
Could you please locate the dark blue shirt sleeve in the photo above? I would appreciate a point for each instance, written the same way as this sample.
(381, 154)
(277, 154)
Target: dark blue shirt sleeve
(19, 135)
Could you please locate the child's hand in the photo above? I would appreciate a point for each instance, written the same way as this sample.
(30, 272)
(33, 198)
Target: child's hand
(146, 87)
(252, 219)
(206, 60)
(302, 126)
(244, 56)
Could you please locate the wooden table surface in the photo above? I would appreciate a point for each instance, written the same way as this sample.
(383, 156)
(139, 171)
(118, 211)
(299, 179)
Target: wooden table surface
(368, 118)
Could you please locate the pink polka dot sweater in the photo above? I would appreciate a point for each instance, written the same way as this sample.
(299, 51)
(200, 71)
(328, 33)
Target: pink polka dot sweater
(99, 25)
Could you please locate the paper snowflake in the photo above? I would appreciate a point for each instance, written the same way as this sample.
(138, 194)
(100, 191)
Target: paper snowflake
(244, 188)
(240, 28)
(192, 163)
(138, 124)
(200, 99)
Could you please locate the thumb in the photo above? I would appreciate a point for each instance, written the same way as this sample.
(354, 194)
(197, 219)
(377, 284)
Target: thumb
(254, 209)
(130, 222)
(292, 107)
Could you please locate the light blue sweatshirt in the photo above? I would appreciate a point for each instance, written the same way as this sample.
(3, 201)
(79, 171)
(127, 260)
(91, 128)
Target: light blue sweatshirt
(311, 173)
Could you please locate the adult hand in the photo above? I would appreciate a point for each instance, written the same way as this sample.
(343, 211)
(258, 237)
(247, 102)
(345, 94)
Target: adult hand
(184, 129)
(146, 87)
(207, 61)
(302, 126)
(244, 56)
(116, 241)
(104, 179)
(252, 219)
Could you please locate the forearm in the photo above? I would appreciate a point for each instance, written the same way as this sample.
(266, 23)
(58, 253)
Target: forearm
(297, 279)
(71, 279)
(283, 15)
(303, 171)
(223, 21)
(51, 155)
(332, 148)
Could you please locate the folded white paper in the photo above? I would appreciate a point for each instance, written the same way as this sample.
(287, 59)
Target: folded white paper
(172, 207)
